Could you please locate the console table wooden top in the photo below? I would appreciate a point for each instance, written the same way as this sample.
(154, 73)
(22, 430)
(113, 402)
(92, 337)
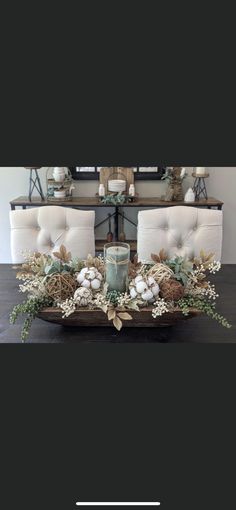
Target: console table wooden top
(24, 202)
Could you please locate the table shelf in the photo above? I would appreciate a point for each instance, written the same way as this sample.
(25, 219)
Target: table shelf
(77, 202)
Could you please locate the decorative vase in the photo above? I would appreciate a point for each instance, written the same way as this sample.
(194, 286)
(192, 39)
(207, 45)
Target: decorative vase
(174, 191)
(117, 257)
(101, 190)
(189, 196)
(59, 174)
(131, 190)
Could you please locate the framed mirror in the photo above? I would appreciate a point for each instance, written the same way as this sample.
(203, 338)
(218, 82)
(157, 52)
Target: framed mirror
(141, 172)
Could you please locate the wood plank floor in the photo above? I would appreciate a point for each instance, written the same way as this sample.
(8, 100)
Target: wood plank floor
(200, 329)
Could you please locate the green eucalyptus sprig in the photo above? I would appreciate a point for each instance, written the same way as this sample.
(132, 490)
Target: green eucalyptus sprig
(118, 199)
(204, 306)
(181, 267)
(31, 307)
(57, 266)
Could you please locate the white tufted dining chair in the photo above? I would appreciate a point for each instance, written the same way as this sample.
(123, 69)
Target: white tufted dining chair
(180, 230)
(44, 229)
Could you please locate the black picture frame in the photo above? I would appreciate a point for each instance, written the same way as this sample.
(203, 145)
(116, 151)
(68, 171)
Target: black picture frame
(138, 176)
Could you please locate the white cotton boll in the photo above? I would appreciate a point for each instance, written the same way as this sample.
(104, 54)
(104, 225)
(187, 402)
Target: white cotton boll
(95, 284)
(84, 270)
(133, 293)
(147, 295)
(86, 283)
(141, 287)
(91, 274)
(99, 276)
(155, 290)
(80, 278)
(138, 279)
(151, 280)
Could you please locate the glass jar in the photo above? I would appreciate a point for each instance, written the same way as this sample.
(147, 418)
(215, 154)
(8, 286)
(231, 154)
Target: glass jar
(117, 257)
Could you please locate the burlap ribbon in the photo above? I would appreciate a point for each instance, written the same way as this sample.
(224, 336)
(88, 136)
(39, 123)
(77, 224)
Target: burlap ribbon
(111, 260)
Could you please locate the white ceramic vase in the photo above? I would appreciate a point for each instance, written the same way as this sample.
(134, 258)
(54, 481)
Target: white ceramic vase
(131, 190)
(59, 173)
(189, 196)
(101, 190)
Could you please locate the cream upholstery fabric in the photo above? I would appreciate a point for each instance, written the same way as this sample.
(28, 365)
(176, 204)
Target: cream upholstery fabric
(180, 230)
(46, 228)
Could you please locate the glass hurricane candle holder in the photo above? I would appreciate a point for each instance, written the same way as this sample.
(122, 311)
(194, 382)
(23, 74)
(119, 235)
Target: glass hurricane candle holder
(117, 257)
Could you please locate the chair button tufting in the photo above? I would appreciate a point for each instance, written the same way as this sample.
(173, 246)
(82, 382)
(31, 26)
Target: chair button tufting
(180, 245)
(52, 245)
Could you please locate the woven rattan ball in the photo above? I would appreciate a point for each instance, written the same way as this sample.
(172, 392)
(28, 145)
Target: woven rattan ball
(171, 290)
(161, 273)
(61, 286)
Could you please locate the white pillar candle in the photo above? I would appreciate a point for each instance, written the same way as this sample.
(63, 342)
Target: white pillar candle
(200, 171)
(117, 257)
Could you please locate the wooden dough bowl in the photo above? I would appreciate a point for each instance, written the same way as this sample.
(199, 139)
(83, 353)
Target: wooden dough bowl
(95, 318)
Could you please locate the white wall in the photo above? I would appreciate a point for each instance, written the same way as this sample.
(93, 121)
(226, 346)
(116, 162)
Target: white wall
(221, 184)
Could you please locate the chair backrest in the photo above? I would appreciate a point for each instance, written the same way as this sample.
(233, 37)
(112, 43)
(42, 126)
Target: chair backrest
(180, 230)
(44, 229)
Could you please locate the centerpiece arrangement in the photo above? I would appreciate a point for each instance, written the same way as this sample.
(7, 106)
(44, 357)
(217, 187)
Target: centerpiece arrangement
(63, 289)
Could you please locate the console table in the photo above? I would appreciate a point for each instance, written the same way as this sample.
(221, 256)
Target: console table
(95, 202)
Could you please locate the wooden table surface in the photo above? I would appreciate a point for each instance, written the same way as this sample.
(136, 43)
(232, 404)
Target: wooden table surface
(200, 329)
(96, 202)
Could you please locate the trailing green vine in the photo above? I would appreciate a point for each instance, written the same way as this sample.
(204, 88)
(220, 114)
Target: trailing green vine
(204, 306)
(30, 308)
